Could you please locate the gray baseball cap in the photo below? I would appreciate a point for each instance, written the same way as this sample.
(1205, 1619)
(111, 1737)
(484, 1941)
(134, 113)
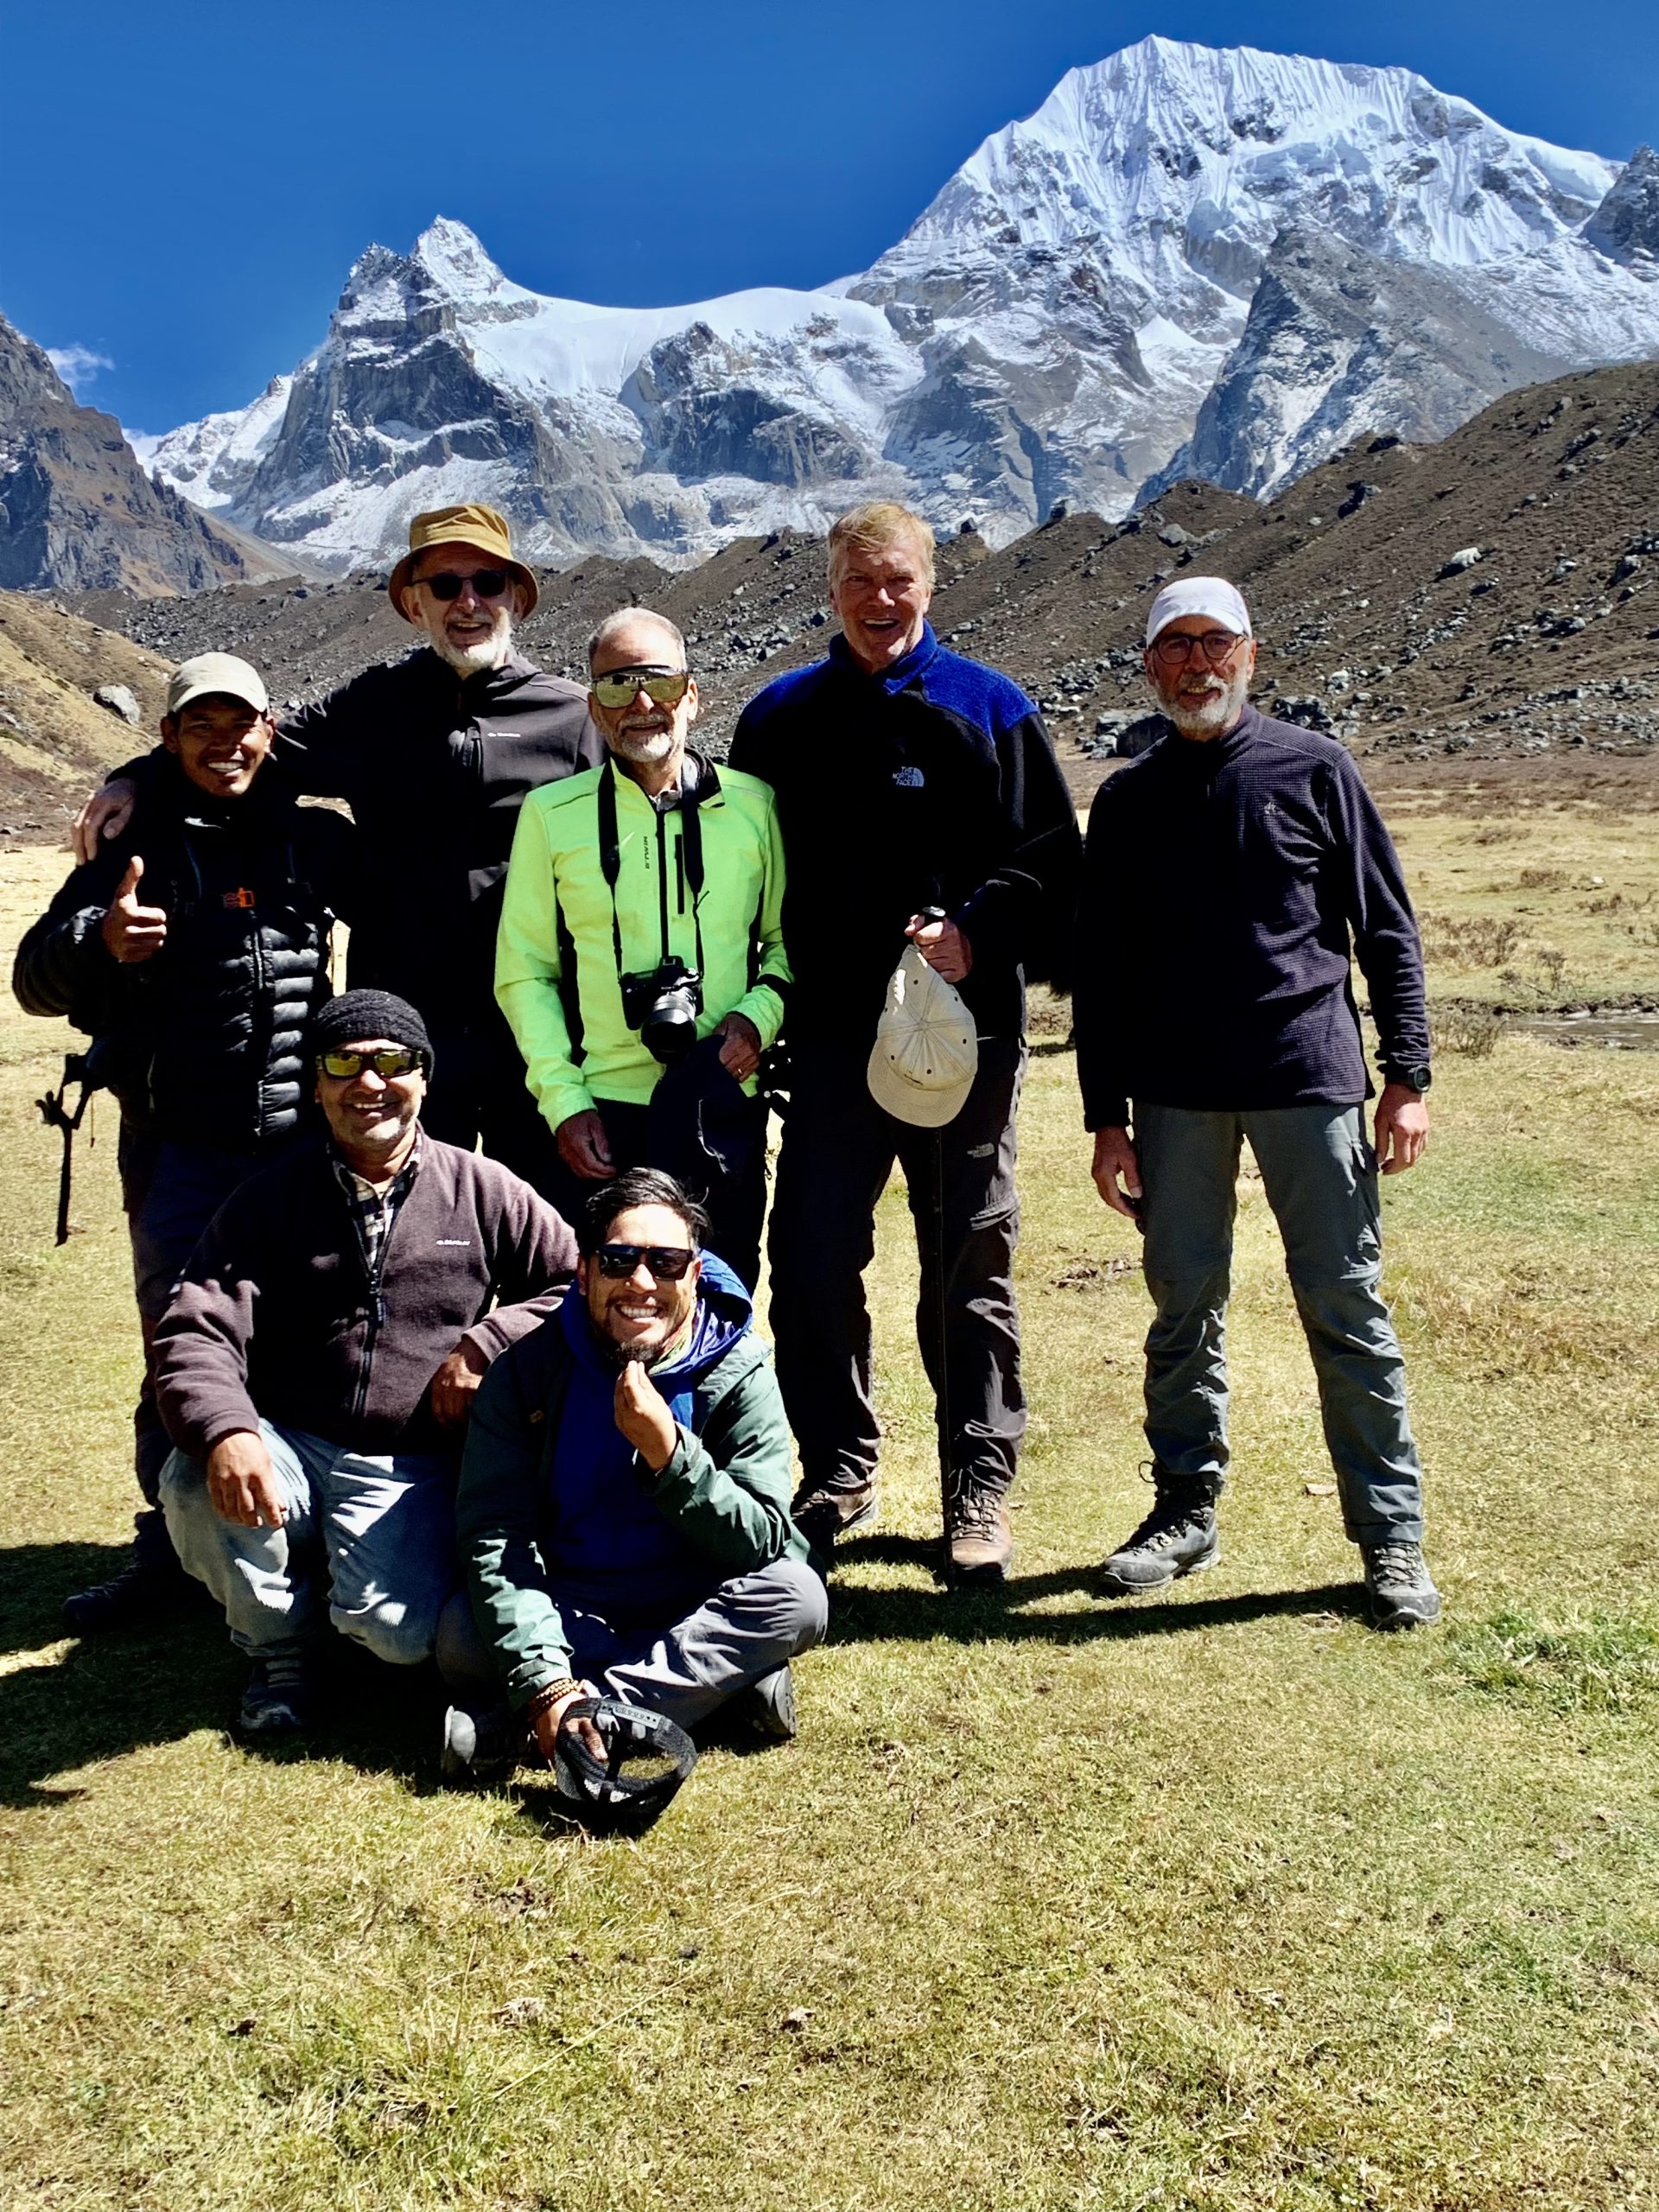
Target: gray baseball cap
(217, 672)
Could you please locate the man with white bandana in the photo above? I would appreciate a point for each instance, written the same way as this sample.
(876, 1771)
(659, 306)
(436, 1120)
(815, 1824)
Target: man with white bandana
(1230, 874)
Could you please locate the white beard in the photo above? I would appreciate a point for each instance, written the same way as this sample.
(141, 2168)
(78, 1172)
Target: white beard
(474, 660)
(1209, 717)
(645, 747)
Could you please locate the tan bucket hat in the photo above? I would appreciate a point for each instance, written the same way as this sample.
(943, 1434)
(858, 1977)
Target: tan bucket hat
(482, 530)
(926, 1050)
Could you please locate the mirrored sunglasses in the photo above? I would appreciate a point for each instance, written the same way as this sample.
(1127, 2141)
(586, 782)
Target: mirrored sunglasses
(395, 1060)
(664, 687)
(487, 584)
(667, 1262)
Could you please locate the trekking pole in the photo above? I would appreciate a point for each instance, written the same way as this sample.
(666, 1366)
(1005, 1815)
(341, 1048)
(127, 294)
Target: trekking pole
(56, 1115)
(943, 1343)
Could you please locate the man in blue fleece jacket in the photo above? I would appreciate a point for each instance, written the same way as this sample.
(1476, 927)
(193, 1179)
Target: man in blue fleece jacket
(908, 779)
(1228, 872)
(624, 1503)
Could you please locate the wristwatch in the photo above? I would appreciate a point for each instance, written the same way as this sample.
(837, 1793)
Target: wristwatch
(1415, 1077)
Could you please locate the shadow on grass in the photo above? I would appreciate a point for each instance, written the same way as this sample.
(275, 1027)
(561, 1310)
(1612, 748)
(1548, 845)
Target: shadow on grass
(106, 1697)
(110, 1695)
(982, 1615)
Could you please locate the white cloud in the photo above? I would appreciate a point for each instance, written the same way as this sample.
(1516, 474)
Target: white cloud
(77, 365)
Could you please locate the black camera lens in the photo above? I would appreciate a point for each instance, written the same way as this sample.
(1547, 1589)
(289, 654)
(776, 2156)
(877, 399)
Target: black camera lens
(664, 1007)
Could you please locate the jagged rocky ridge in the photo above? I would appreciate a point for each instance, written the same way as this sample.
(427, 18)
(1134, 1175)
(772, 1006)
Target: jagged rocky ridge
(1187, 261)
(77, 511)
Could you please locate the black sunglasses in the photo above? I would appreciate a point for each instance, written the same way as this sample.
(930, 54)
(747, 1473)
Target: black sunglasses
(488, 583)
(664, 687)
(667, 1262)
(388, 1064)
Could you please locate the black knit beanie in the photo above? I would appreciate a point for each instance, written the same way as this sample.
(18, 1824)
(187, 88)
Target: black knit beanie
(358, 1016)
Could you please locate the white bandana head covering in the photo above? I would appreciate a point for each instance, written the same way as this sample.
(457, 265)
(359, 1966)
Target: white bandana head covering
(1212, 595)
(926, 1050)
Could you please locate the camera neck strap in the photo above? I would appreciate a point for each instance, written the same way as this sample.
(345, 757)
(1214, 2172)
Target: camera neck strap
(610, 852)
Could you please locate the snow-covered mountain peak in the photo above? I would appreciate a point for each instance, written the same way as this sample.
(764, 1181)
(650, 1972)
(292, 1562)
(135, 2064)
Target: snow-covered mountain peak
(455, 258)
(1166, 138)
(1225, 261)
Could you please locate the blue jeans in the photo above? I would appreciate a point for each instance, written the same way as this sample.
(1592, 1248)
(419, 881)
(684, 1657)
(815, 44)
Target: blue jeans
(1320, 1173)
(377, 1533)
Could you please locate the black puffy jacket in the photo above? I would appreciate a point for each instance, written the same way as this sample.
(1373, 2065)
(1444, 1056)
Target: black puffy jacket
(204, 1040)
(434, 767)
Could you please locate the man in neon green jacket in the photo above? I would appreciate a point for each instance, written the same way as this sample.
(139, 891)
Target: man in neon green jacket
(640, 961)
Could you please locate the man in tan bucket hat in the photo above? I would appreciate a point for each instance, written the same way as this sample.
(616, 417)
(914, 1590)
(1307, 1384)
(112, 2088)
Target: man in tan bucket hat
(435, 753)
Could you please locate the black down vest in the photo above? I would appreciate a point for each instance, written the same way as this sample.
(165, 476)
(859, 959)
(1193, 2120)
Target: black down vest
(204, 1043)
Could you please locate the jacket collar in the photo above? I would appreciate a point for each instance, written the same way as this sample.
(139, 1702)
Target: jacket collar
(901, 675)
(488, 683)
(266, 800)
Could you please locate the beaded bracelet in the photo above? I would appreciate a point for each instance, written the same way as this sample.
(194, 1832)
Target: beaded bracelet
(551, 1693)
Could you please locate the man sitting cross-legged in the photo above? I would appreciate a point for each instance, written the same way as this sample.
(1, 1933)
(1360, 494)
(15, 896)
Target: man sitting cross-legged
(319, 1355)
(623, 1512)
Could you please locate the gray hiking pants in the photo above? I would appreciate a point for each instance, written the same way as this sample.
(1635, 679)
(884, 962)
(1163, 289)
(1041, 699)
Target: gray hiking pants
(1320, 1173)
(744, 1630)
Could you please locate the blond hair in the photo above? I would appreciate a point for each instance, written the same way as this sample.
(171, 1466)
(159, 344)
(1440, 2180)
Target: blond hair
(877, 526)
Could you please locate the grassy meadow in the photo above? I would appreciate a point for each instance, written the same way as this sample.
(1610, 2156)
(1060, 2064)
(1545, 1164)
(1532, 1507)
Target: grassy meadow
(1220, 1901)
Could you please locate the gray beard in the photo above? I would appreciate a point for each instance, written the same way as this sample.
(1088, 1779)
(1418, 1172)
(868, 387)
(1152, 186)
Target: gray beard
(644, 747)
(477, 660)
(1214, 716)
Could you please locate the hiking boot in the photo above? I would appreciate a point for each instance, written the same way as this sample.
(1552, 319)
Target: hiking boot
(279, 1700)
(137, 1598)
(1179, 1536)
(978, 1535)
(768, 1706)
(822, 1511)
(480, 1747)
(1398, 1584)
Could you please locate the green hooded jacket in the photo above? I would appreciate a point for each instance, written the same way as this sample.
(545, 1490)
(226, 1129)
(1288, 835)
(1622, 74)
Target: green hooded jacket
(556, 952)
(531, 1525)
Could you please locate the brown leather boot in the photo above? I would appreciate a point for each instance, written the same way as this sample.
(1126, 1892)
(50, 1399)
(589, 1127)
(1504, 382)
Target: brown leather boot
(826, 1510)
(978, 1535)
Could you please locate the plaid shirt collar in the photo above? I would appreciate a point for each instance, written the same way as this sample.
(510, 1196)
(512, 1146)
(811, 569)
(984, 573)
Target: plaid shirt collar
(373, 1212)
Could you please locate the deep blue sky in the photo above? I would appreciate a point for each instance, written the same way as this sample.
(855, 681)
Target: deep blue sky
(189, 181)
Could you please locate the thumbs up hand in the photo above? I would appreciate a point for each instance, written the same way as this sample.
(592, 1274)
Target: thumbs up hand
(133, 932)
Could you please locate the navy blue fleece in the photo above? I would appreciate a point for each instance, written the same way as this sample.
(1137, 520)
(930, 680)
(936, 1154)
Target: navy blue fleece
(1224, 883)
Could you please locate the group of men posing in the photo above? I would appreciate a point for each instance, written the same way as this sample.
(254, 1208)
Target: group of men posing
(445, 1282)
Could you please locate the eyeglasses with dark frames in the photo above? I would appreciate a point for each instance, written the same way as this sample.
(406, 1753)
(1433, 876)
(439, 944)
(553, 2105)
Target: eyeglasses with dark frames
(1174, 649)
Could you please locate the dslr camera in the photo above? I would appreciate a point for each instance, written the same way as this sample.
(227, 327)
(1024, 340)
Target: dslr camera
(664, 1006)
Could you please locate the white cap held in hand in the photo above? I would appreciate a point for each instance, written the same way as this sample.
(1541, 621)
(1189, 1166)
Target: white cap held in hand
(926, 1050)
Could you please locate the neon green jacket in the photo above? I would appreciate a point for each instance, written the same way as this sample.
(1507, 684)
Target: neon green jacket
(556, 875)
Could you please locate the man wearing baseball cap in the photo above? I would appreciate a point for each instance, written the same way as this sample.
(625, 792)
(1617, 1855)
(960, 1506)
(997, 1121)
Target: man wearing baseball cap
(193, 948)
(1229, 874)
(435, 753)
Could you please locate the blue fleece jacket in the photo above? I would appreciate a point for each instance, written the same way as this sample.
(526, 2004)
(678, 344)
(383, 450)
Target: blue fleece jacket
(932, 784)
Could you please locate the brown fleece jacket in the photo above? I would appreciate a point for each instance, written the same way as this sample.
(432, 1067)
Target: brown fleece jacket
(276, 1314)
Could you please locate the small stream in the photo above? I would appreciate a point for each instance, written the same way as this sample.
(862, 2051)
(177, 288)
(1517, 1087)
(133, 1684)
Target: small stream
(1615, 1031)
